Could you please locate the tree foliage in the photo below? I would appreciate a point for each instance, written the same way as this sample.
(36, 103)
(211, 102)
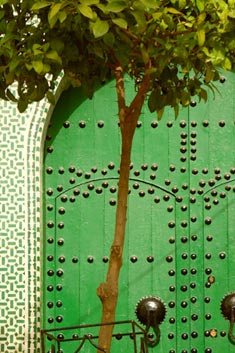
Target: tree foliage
(180, 44)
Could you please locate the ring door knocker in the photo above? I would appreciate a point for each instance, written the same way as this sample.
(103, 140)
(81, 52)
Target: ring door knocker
(151, 312)
(228, 311)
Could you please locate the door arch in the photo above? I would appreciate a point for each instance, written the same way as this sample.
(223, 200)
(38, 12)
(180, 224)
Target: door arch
(169, 251)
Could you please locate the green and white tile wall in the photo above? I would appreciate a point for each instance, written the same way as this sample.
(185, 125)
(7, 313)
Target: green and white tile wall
(21, 146)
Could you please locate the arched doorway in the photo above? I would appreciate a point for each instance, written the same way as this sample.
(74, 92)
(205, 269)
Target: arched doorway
(180, 227)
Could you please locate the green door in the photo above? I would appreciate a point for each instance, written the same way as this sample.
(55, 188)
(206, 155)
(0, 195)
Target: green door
(181, 221)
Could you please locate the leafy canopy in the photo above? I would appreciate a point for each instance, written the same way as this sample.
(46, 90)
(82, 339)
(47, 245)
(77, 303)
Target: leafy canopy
(180, 44)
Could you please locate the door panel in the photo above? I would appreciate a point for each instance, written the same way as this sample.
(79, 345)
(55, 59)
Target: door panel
(180, 230)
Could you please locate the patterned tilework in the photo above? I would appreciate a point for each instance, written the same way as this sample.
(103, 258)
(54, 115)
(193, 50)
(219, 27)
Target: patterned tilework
(21, 146)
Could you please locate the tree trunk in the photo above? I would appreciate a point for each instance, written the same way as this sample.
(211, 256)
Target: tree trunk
(108, 291)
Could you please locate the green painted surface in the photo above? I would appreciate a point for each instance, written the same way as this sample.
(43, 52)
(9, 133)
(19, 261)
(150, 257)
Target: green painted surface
(181, 216)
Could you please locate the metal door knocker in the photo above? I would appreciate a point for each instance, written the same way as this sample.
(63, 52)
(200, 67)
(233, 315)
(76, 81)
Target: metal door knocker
(151, 312)
(228, 311)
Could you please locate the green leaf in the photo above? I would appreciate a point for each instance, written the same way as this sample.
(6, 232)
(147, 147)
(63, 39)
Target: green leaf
(173, 11)
(51, 97)
(40, 5)
(203, 95)
(154, 100)
(116, 6)
(160, 113)
(22, 105)
(38, 66)
(120, 22)
(53, 55)
(100, 28)
(52, 14)
(201, 36)
(150, 4)
(209, 75)
(85, 11)
(200, 4)
(182, 3)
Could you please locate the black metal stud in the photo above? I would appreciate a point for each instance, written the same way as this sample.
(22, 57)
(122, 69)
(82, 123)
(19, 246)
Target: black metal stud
(76, 192)
(82, 124)
(49, 170)
(157, 199)
(208, 350)
(59, 287)
(50, 288)
(49, 192)
(154, 124)
(90, 259)
(60, 273)
(194, 317)
(151, 190)
(184, 239)
(50, 273)
(105, 259)
(184, 336)
(74, 260)
(171, 224)
(208, 221)
(169, 258)
(66, 124)
(50, 149)
(94, 169)
(134, 259)
(79, 173)
(150, 259)
(205, 123)
(112, 202)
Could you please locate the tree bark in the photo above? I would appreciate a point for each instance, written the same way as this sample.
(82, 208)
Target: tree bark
(108, 291)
